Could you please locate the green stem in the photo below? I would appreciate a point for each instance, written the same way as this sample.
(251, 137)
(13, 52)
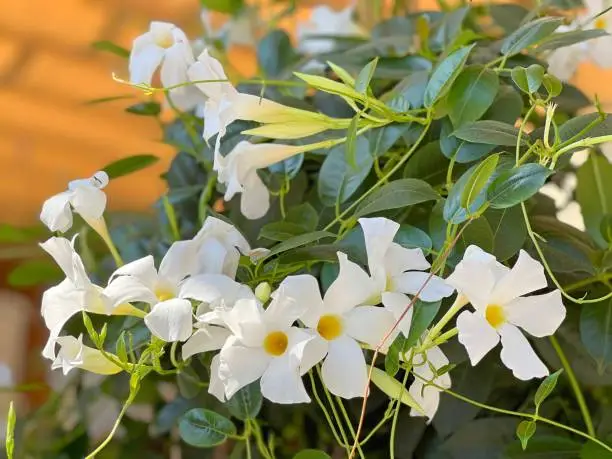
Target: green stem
(111, 434)
(376, 428)
(459, 303)
(520, 134)
(396, 411)
(347, 419)
(383, 179)
(324, 409)
(99, 226)
(584, 409)
(603, 278)
(589, 141)
(334, 411)
(247, 439)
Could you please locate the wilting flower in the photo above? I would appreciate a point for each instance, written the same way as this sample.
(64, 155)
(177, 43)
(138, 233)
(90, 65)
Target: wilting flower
(426, 366)
(397, 271)
(339, 324)
(74, 354)
(84, 196)
(238, 170)
(313, 35)
(167, 46)
(264, 344)
(76, 293)
(225, 104)
(496, 293)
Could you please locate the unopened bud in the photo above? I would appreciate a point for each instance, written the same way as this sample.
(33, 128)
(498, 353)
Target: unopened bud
(263, 291)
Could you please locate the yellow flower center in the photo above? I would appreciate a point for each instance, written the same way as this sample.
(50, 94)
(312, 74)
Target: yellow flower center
(495, 315)
(164, 41)
(164, 294)
(276, 343)
(601, 23)
(330, 326)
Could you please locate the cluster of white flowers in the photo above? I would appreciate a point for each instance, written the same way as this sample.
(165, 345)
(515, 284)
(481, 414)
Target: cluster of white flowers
(194, 298)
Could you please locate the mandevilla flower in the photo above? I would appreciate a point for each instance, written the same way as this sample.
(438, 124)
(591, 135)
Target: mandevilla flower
(238, 170)
(264, 344)
(313, 35)
(167, 46)
(339, 323)
(496, 293)
(84, 196)
(396, 271)
(74, 354)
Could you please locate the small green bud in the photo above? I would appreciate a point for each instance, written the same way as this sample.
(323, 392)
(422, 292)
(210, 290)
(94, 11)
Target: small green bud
(263, 291)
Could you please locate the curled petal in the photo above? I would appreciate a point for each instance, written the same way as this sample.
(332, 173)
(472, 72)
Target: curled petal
(171, 320)
(518, 355)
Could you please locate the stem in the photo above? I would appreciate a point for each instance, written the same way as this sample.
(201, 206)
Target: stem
(348, 422)
(584, 143)
(603, 278)
(333, 409)
(325, 412)
(459, 303)
(584, 409)
(377, 427)
(396, 411)
(111, 434)
(247, 439)
(261, 444)
(99, 226)
(520, 134)
(384, 178)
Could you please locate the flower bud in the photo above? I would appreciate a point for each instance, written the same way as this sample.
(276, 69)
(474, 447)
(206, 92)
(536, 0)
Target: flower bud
(263, 291)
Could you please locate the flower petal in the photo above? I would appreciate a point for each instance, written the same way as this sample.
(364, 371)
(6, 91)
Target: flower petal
(526, 276)
(344, 370)
(427, 397)
(62, 251)
(538, 315)
(369, 324)
(125, 289)
(215, 289)
(245, 320)
(171, 320)
(89, 202)
(209, 338)
(399, 259)
(431, 288)
(304, 290)
(314, 352)
(241, 365)
(142, 269)
(180, 261)
(397, 303)
(56, 213)
(476, 335)
(144, 62)
(378, 234)
(255, 198)
(518, 355)
(352, 287)
(216, 386)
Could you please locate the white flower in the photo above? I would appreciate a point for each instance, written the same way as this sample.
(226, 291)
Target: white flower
(496, 293)
(238, 170)
(339, 324)
(225, 104)
(76, 293)
(85, 197)
(397, 271)
(323, 22)
(423, 365)
(236, 31)
(264, 344)
(600, 47)
(167, 46)
(73, 354)
(563, 62)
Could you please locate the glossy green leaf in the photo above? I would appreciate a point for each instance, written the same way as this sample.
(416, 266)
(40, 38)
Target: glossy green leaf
(490, 132)
(516, 185)
(583, 126)
(507, 106)
(445, 74)
(145, 109)
(553, 85)
(453, 211)
(338, 180)
(528, 79)
(362, 83)
(545, 447)
(546, 387)
(397, 194)
(34, 272)
(246, 403)
(412, 237)
(478, 180)
(461, 150)
(281, 231)
(592, 450)
(423, 315)
(109, 46)
(393, 389)
(129, 165)
(472, 94)
(596, 331)
(392, 358)
(529, 34)
(204, 428)
(559, 40)
(275, 53)
(299, 241)
(594, 194)
(524, 432)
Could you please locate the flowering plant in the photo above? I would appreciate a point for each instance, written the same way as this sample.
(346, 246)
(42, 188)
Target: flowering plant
(355, 256)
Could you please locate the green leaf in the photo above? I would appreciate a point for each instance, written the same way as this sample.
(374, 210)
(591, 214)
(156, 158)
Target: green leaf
(109, 46)
(188, 382)
(145, 109)
(412, 237)
(509, 16)
(525, 431)
(392, 359)
(204, 428)
(34, 272)
(553, 85)
(508, 231)
(362, 83)
(594, 194)
(478, 180)
(596, 331)
(472, 94)
(312, 454)
(394, 389)
(559, 40)
(350, 146)
(397, 194)
(445, 74)
(14, 235)
(338, 180)
(529, 34)
(462, 151)
(129, 165)
(223, 6)
(490, 132)
(9, 441)
(602, 125)
(528, 79)
(299, 241)
(281, 231)
(383, 138)
(304, 215)
(516, 185)
(246, 403)
(275, 53)
(546, 387)
(342, 74)
(507, 106)
(592, 450)
(422, 317)
(545, 447)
